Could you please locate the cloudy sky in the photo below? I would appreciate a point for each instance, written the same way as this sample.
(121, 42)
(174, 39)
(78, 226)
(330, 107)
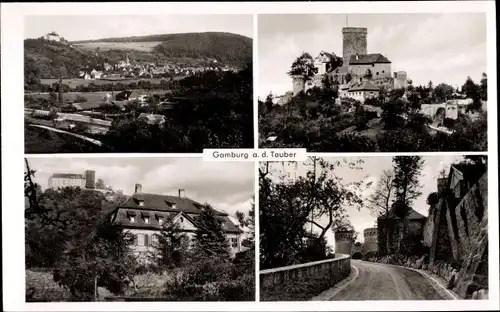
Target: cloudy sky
(228, 186)
(372, 169)
(75, 28)
(438, 47)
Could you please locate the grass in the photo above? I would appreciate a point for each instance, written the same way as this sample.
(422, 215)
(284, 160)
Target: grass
(90, 96)
(40, 287)
(104, 46)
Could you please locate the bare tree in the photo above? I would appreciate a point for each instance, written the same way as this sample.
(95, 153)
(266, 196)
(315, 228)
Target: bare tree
(383, 196)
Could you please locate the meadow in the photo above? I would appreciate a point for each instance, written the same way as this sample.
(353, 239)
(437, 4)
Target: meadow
(73, 82)
(106, 46)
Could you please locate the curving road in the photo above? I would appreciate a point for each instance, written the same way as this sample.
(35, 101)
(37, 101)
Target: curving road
(377, 281)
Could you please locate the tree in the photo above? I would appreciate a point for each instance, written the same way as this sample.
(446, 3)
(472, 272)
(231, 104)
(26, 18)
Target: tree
(383, 195)
(432, 199)
(484, 87)
(348, 77)
(269, 102)
(210, 236)
(100, 184)
(368, 74)
(290, 207)
(443, 92)
(241, 218)
(303, 66)
(170, 246)
(407, 170)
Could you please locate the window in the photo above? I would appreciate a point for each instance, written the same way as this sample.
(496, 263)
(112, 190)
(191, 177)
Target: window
(140, 239)
(182, 219)
(131, 219)
(373, 65)
(141, 203)
(377, 73)
(160, 221)
(146, 220)
(174, 205)
(383, 71)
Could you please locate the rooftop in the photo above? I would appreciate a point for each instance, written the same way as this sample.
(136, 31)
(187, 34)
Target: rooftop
(363, 86)
(364, 59)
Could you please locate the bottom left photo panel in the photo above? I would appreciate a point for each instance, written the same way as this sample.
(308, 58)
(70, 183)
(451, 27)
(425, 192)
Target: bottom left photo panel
(139, 229)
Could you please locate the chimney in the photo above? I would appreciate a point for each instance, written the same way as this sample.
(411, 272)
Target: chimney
(181, 192)
(138, 188)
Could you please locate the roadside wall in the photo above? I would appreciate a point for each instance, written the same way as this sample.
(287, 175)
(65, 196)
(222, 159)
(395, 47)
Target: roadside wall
(287, 283)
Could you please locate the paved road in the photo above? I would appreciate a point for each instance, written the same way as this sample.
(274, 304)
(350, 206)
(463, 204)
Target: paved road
(383, 282)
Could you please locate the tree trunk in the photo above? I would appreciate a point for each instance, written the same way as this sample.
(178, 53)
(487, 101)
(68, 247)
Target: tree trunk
(95, 289)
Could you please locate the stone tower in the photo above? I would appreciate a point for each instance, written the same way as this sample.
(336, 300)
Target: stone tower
(400, 79)
(354, 42)
(343, 242)
(371, 240)
(299, 83)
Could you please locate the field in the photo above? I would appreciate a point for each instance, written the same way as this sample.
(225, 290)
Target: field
(105, 46)
(73, 82)
(90, 96)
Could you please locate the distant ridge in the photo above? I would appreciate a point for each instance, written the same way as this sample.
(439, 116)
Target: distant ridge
(161, 37)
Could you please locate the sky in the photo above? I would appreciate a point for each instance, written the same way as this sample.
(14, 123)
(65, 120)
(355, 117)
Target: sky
(438, 47)
(227, 186)
(372, 169)
(75, 28)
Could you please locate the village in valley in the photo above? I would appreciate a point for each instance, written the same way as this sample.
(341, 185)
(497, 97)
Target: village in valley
(83, 91)
(356, 101)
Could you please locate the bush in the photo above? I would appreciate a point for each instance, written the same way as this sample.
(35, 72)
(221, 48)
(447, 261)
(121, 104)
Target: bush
(357, 255)
(40, 287)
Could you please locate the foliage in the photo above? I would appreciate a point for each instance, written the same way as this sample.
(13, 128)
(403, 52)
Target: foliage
(303, 66)
(381, 199)
(214, 111)
(170, 246)
(287, 207)
(432, 199)
(210, 236)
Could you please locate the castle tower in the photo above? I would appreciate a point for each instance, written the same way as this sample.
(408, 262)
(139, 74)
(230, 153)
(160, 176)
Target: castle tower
(343, 242)
(299, 83)
(371, 240)
(354, 42)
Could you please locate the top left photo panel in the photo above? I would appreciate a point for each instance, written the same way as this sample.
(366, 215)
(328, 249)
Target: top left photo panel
(137, 84)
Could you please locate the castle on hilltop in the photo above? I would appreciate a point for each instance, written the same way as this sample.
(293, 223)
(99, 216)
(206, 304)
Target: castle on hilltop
(361, 75)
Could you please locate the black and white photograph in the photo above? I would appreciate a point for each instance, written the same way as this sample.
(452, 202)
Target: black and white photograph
(373, 82)
(137, 84)
(374, 228)
(136, 229)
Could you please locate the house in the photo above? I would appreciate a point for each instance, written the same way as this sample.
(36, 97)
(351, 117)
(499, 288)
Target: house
(137, 95)
(152, 119)
(53, 36)
(390, 229)
(376, 63)
(362, 90)
(123, 96)
(323, 62)
(95, 74)
(143, 214)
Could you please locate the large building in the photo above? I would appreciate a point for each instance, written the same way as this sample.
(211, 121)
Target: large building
(143, 214)
(53, 36)
(84, 181)
(359, 68)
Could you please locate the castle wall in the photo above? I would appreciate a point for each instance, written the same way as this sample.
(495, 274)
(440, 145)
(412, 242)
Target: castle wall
(379, 70)
(400, 80)
(298, 84)
(354, 41)
(371, 240)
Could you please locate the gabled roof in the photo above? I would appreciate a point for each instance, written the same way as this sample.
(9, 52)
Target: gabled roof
(471, 172)
(160, 206)
(327, 54)
(368, 59)
(163, 203)
(364, 86)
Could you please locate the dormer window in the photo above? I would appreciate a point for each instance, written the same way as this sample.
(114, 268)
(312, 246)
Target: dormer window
(141, 203)
(146, 220)
(160, 221)
(131, 216)
(131, 219)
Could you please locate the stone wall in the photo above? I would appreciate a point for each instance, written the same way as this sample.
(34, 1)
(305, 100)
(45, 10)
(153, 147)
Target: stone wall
(371, 241)
(472, 239)
(298, 84)
(289, 281)
(343, 242)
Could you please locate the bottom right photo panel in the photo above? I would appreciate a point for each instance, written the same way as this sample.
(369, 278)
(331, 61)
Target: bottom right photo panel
(374, 228)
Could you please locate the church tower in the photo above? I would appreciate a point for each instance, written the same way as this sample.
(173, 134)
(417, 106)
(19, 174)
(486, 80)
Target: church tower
(354, 42)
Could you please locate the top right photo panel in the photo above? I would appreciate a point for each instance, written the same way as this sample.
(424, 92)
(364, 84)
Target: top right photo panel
(373, 82)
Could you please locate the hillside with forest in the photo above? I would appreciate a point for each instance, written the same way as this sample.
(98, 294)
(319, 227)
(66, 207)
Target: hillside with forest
(50, 59)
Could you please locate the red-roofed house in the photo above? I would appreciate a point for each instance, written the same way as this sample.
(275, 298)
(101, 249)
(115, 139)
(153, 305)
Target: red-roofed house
(143, 215)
